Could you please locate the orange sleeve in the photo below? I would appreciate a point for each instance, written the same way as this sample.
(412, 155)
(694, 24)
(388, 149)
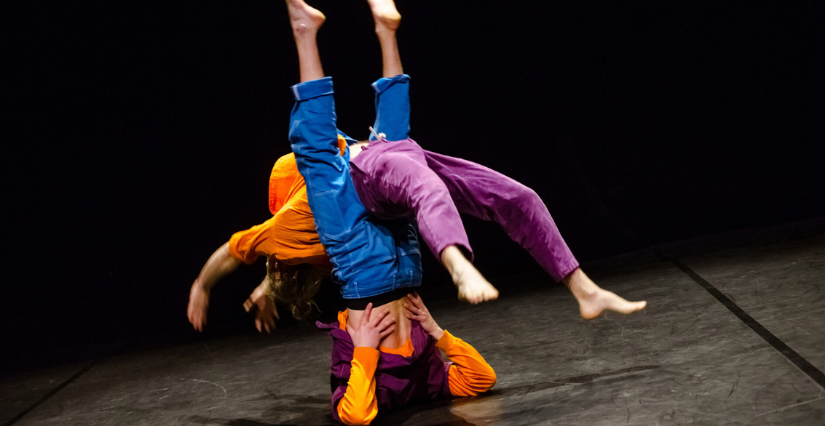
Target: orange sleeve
(470, 374)
(290, 236)
(242, 245)
(359, 406)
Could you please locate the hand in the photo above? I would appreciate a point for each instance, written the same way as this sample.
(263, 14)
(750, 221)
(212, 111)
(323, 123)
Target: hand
(264, 308)
(418, 312)
(374, 327)
(198, 304)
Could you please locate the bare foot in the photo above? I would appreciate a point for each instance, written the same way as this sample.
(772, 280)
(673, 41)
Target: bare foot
(385, 14)
(604, 300)
(303, 17)
(594, 300)
(472, 286)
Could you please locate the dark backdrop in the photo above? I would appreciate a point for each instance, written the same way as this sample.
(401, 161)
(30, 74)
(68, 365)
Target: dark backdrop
(142, 135)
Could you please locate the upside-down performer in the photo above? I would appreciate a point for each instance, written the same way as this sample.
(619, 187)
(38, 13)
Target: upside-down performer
(393, 179)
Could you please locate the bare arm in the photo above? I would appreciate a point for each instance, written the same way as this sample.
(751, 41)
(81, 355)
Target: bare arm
(220, 264)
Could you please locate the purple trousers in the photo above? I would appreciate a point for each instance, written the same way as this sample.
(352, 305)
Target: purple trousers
(400, 179)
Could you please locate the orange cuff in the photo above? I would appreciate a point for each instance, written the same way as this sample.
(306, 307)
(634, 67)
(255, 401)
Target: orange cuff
(446, 341)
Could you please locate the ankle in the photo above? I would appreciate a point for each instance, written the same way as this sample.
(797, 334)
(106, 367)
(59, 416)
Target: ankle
(580, 285)
(454, 261)
(383, 31)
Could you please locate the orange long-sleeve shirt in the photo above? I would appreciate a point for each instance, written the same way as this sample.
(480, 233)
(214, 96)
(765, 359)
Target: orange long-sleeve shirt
(289, 235)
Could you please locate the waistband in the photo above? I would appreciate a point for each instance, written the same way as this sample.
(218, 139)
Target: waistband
(378, 300)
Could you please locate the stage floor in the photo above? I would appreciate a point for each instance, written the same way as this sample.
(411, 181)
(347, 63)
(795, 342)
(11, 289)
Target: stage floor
(729, 337)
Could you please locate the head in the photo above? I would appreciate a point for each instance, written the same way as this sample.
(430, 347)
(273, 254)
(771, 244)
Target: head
(295, 285)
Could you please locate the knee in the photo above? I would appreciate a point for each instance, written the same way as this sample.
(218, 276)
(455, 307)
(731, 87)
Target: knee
(525, 199)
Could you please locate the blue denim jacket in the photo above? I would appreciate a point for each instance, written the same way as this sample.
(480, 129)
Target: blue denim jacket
(369, 256)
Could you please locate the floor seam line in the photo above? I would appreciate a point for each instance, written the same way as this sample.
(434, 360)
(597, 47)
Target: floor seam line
(791, 355)
(46, 397)
(790, 406)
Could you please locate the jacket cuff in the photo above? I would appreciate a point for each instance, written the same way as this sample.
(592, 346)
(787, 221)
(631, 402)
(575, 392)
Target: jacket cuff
(385, 83)
(312, 89)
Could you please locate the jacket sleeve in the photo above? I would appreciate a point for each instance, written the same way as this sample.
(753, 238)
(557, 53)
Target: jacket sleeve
(470, 374)
(359, 405)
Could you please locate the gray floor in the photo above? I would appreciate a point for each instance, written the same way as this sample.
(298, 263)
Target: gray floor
(685, 360)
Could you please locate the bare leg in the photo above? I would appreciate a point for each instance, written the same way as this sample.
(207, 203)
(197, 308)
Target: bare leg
(305, 22)
(387, 19)
(471, 284)
(593, 300)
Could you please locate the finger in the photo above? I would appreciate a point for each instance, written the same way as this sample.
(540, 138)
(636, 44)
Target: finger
(379, 316)
(388, 321)
(386, 332)
(417, 302)
(414, 309)
(408, 309)
(275, 312)
(258, 324)
(268, 322)
(366, 317)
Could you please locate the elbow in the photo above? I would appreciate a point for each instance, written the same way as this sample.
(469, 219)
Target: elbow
(354, 420)
(351, 415)
(481, 381)
(486, 381)
(493, 379)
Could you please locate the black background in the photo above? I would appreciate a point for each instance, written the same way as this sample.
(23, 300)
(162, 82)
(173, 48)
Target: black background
(141, 136)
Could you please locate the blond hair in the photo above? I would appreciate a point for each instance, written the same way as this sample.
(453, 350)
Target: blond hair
(295, 285)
